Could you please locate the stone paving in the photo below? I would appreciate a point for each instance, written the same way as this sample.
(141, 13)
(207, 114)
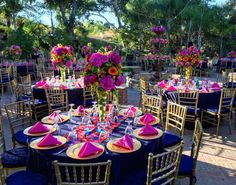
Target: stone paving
(217, 157)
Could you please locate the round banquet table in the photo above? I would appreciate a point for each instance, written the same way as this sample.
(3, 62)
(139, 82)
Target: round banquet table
(206, 101)
(123, 165)
(75, 95)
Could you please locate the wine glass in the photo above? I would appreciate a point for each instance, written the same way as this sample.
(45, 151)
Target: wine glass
(129, 128)
(56, 120)
(103, 136)
(71, 111)
(72, 136)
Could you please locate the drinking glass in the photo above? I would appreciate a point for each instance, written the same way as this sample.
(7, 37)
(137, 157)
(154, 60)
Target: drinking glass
(72, 136)
(129, 128)
(71, 111)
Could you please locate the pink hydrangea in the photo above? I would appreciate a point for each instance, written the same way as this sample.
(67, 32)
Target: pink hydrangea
(120, 80)
(114, 57)
(96, 60)
(107, 83)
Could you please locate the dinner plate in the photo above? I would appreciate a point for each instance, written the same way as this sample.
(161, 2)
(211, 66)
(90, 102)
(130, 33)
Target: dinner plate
(74, 113)
(34, 143)
(50, 128)
(46, 120)
(137, 113)
(117, 149)
(157, 120)
(147, 137)
(73, 151)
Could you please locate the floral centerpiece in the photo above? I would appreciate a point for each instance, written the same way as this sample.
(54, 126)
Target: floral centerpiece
(157, 50)
(187, 59)
(15, 51)
(61, 57)
(231, 54)
(103, 73)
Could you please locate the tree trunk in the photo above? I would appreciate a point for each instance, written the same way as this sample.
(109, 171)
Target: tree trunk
(221, 46)
(189, 32)
(116, 11)
(168, 34)
(199, 41)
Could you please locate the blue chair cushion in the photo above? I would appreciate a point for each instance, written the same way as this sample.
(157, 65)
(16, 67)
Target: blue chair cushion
(20, 137)
(191, 110)
(186, 165)
(231, 85)
(170, 139)
(26, 178)
(16, 157)
(215, 110)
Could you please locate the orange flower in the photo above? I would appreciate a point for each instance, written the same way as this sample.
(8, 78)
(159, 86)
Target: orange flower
(185, 59)
(113, 71)
(88, 67)
(59, 59)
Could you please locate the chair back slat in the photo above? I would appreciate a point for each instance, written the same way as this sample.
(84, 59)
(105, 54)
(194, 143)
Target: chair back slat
(196, 140)
(46, 75)
(2, 140)
(152, 104)
(2, 173)
(82, 174)
(175, 118)
(226, 99)
(163, 168)
(57, 99)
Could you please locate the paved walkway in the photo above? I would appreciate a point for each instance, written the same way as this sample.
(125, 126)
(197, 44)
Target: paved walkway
(217, 157)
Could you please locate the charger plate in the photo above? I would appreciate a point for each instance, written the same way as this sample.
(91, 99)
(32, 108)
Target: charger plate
(117, 149)
(46, 120)
(50, 128)
(73, 151)
(157, 120)
(147, 137)
(137, 113)
(34, 143)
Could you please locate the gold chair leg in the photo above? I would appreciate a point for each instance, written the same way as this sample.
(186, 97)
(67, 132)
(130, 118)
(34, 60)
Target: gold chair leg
(218, 126)
(230, 123)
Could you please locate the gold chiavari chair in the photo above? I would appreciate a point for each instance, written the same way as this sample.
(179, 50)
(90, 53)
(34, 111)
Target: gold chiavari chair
(143, 86)
(39, 70)
(39, 107)
(153, 105)
(82, 174)
(19, 116)
(175, 121)
(26, 80)
(44, 76)
(23, 177)
(88, 96)
(223, 111)
(190, 100)
(14, 158)
(163, 168)
(57, 99)
(188, 164)
(5, 79)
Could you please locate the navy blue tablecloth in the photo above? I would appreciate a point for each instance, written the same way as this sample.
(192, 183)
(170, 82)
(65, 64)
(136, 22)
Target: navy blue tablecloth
(206, 100)
(122, 164)
(75, 95)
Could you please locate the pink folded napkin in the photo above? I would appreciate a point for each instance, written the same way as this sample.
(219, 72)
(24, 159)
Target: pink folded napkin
(78, 85)
(171, 88)
(88, 149)
(40, 83)
(147, 118)
(162, 84)
(186, 89)
(125, 142)
(38, 128)
(48, 140)
(54, 115)
(215, 86)
(147, 130)
(204, 90)
(80, 109)
(131, 111)
(63, 87)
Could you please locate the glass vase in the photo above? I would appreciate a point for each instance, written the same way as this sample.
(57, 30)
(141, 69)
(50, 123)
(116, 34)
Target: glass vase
(188, 71)
(63, 74)
(102, 96)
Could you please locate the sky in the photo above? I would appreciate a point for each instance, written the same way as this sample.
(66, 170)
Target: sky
(109, 16)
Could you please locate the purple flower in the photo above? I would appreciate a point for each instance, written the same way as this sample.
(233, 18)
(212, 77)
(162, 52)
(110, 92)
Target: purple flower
(120, 80)
(68, 63)
(107, 83)
(114, 57)
(183, 52)
(96, 60)
(187, 64)
(105, 58)
(87, 80)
